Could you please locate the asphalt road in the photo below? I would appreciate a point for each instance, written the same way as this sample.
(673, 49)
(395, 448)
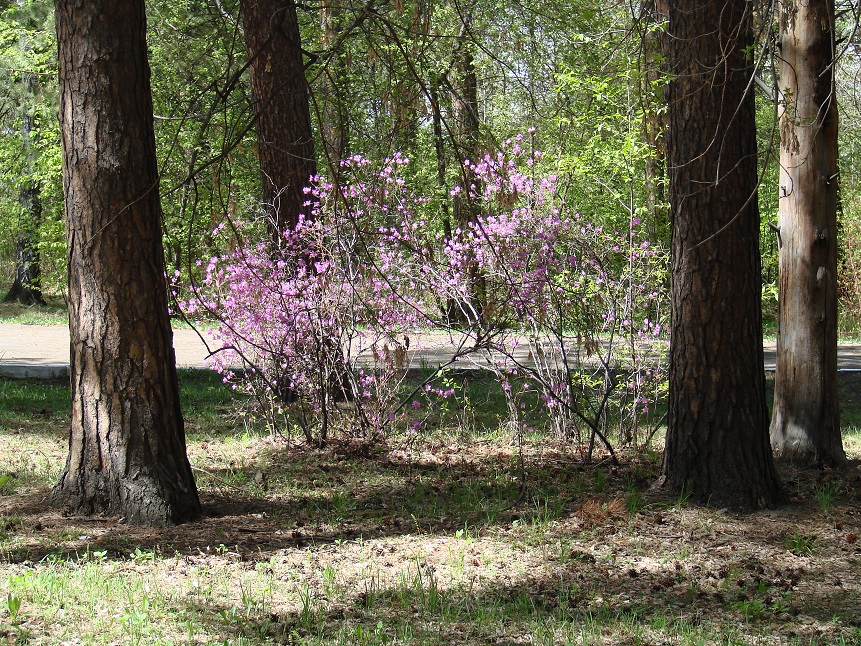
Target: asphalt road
(43, 351)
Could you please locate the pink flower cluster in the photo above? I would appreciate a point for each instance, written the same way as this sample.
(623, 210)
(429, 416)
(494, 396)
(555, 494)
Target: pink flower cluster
(370, 264)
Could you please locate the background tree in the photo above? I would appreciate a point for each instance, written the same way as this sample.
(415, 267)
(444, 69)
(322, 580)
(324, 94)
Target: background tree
(330, 98)
(30, 169)
(127, 443)
(27, 283)
(717, 438)
(805, 424)
(285, 139)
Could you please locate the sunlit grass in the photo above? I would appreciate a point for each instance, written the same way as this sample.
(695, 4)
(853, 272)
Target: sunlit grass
(427, 541)
(849, 325)
(852, 440)
(53, 313)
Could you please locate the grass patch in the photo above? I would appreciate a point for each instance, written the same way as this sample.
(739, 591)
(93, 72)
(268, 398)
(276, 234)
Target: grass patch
(53, 313)
(430, 540)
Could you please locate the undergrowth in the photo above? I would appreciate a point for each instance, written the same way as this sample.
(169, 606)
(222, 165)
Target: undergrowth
(449, 536)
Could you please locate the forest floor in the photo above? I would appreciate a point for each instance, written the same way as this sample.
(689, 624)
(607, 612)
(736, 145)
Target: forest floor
(430, 539)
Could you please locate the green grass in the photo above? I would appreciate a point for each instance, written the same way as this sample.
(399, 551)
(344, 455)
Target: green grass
(849, 325)
(427, 540)
(826, 495)
(851, 436)
(54, 313)
(802, 544)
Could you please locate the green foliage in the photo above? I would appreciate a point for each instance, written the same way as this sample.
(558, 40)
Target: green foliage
(758, 600)
(13, 605)
(30, 154)
(204, 137)
(586, 76)
(826, 496)
(635, 502)
(802, 544)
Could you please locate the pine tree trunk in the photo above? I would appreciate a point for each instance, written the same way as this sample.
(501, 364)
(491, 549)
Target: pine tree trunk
(285, 139)
(805, 425)
(127, 452)
(717, 441)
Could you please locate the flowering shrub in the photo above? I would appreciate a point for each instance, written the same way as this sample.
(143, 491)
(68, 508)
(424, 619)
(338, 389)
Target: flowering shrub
(295, 321)
(329, 316)
(582, 299)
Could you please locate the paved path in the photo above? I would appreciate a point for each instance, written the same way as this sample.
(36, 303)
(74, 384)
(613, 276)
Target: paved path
(43, 351)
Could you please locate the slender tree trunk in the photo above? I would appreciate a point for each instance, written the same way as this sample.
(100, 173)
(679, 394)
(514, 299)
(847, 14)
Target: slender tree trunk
(27, 284)
(467, 146)
(438, 139)
(127, 452)
(285, 139)
(334, 125)
(805, 425)
(654, 100)
(465, 113)
(406, 91)
(717, 440)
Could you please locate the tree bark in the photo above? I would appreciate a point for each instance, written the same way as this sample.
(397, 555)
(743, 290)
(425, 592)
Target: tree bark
(285, 139)
(805, 425)
(717, 439)
(127, 453)
(406, 94)
(465, 112)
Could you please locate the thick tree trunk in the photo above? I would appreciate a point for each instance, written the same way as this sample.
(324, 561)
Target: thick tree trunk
(127, 452)
(717, 441)
(805, 426)
(465, 112)
(285, 138)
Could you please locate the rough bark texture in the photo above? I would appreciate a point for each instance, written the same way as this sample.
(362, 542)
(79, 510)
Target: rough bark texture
(127, 452)
(464, 102)
(717, 441)
(285, 139)
(805, 426)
